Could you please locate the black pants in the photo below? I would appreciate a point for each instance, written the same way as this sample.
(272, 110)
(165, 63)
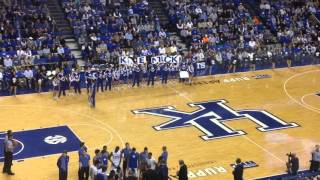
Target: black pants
(7, 162)
(151, 78)
(109, 83)
(62, 90)
(77, 88)
(136, 80)
(164, 78)
(124, 168)
(63, 175)
(314, 167)
(100, 84)
(84, 173)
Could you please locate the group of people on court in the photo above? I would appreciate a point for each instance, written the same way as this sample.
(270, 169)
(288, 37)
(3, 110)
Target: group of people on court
(103, 79)
(120, 164)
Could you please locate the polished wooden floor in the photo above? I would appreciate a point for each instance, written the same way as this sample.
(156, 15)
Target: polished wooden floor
(289, 94)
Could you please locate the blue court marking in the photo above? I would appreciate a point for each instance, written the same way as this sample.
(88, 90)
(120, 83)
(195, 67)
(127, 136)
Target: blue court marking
(42, 142)
(286, 176)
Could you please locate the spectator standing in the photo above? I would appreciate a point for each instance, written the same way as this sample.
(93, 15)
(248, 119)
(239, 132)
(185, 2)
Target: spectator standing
(13, 83)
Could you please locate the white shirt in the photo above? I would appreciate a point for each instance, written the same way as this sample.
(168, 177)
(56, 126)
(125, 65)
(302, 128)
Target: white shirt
(93, 172)
(1, 75)
(60, 50)
(7, 62)
(152, 163)
(116, 158)
(162, 50)
(28, 73)
(21, 53)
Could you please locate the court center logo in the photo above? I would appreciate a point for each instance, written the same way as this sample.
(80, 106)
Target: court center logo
(210, 118)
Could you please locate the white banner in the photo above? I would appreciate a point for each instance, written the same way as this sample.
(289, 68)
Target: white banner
(129, 61)
(175, 59)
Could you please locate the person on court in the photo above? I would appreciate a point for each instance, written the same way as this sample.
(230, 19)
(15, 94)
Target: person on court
(238, 170)
(62, 164)
(84, 164)
(55, 90)
(100, 80)
(151, 74)
(9, 145)
(133, 161)
(109, 75)
(136, 75)
(125, 154)
(115, 158)
(92, 93)
(165, 73)
(183, 171)
(104, 156)
(76, 82)
(63, 84)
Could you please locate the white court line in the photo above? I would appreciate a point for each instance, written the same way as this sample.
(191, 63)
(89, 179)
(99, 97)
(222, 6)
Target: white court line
(306, 104)
(74, 112)
(99, 127)
(293, 99)
(244, 136)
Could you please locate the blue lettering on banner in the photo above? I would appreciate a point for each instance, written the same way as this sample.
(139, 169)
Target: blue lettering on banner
(42, 142)
(210, 118)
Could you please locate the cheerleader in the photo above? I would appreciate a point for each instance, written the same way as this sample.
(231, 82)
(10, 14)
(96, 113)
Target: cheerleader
(109, 75)
(115, 76)
(71, 82)
(63, 85)
(100, 80)
(77, 88)
(164, 73)
(55, 84)
(14, 84)
(92, 93)
(191, 73)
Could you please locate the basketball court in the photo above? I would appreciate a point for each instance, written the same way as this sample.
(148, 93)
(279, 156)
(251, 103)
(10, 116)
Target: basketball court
(257, 116)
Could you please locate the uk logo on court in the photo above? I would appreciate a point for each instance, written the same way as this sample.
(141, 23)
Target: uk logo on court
(210, 118)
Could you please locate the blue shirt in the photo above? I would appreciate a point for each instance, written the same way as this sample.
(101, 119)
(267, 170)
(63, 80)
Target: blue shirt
(104, 159)
(133, 160)
(84, 159)
(164, 156)
(126, 153)
(63, 163)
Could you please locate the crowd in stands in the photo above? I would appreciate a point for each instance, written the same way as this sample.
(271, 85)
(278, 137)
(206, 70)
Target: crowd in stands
(223, 35)
(106, 32)
(28, 38)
